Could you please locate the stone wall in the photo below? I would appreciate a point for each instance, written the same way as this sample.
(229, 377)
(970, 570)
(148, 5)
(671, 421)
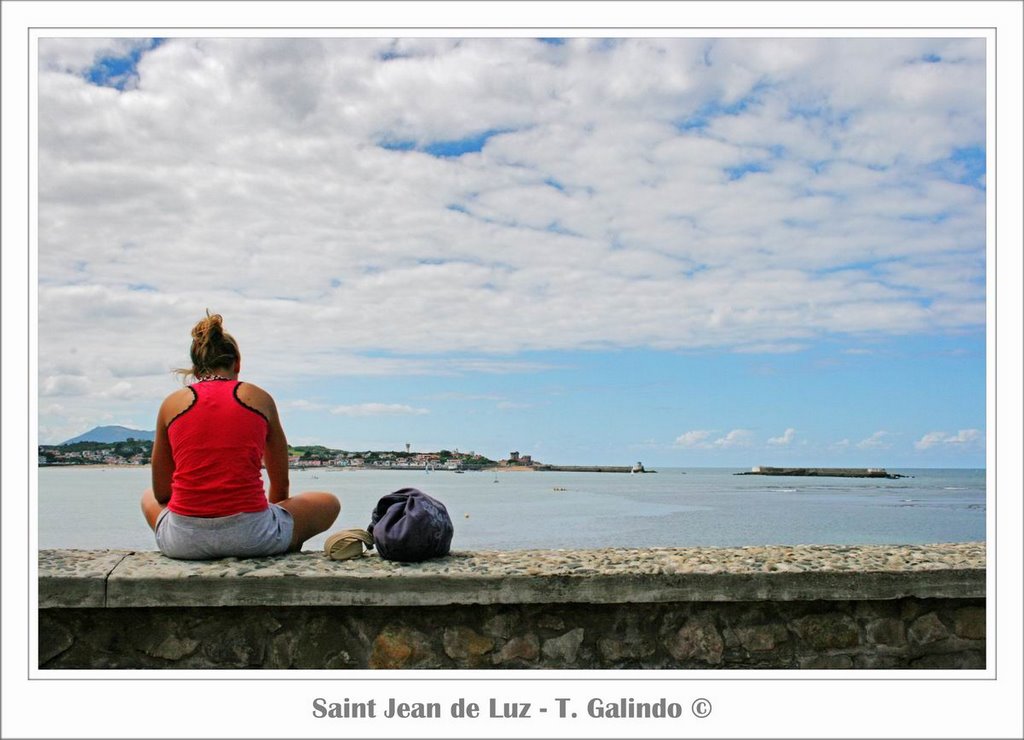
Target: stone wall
(815, 608)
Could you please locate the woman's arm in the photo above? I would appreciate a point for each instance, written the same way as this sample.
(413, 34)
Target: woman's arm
(275, 456)
(162, 462)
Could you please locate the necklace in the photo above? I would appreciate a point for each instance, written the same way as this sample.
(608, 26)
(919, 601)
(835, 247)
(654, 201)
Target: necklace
(204, 378)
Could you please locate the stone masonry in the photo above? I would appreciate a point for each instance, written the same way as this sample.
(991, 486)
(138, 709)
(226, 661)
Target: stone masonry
(801, 608)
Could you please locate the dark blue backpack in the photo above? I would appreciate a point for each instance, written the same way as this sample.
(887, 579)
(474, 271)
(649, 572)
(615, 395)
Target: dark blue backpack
(409, 526)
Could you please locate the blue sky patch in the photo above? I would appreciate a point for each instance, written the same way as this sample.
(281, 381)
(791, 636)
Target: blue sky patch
(692, 123)
(925, 218)
(556, 227)
(703, 115)
(458, 147)
(392, 54)
(120, 72)
(860, 265)
(399, 145)
(445, 149)
(740, 171)
(824, 113)
(970, 165)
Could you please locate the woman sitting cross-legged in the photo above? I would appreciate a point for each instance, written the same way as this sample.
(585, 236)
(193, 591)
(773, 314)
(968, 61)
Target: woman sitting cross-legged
(212, 438)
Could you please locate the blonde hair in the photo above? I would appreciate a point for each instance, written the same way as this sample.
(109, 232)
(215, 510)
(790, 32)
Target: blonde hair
(212, 347)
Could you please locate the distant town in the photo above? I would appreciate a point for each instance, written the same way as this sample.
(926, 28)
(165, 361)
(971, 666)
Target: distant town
(316, 456)
(139, 452)
(117, 445)
(128, 452)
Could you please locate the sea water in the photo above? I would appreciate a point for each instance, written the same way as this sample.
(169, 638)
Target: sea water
(94, 508)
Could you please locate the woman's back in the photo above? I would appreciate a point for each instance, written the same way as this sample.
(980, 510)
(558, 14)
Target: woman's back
(217, 444)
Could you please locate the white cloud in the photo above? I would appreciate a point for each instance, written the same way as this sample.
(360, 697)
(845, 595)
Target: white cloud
(962, 438)
(735, 438)
(279, 170)
(877, 441)
(695, 438)
(702, 439)
(618, 202)
(785, 439)
(378, 409)
(930, 440)
(63, 385)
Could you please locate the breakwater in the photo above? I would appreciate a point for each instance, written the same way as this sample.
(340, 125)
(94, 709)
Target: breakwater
(590, 469)
(806, 607)
(825, 472)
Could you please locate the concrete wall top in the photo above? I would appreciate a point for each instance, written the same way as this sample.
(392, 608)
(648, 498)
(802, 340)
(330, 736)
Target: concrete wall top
(122, 578)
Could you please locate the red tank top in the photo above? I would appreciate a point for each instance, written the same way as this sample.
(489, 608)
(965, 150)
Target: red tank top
(217, 444)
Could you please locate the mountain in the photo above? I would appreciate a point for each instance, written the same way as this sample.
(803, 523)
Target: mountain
(111, 434)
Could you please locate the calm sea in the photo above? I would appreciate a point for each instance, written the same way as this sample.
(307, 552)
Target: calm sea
(99, 507)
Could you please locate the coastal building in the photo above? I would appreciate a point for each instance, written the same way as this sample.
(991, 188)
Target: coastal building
(515, 459)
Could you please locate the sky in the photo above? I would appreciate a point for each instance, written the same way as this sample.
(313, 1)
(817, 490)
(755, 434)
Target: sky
(680, 251)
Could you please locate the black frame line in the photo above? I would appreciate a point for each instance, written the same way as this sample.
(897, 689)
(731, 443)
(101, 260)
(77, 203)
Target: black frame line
(484, 675)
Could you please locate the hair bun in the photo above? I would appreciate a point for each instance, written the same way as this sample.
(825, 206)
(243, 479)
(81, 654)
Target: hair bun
(213, 349)
(208, 328)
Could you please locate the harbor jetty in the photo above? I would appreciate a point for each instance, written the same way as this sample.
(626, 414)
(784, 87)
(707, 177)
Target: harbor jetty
(518, 462)
(638, 468)
(591, 469)
(825, 472)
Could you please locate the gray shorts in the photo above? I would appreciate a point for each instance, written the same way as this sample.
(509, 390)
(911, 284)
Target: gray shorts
(247, 535)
